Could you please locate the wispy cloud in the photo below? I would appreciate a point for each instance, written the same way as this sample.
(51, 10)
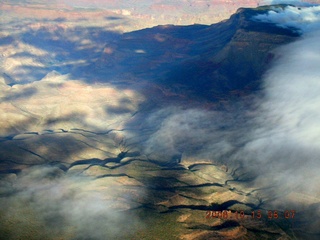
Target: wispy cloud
(292, 2)
(277, 143)
(304, 19)
(45, 203)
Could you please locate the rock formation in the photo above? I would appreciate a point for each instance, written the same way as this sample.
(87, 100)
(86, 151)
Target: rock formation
(80, 106)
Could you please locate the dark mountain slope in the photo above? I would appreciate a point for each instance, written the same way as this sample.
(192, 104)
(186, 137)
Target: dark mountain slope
(80, 158)
(210, 61)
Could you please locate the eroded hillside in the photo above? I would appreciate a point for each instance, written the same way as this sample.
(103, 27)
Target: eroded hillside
(131, 135)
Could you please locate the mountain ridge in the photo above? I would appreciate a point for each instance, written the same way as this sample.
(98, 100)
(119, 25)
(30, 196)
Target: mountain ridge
(201, 56)
(102, 129)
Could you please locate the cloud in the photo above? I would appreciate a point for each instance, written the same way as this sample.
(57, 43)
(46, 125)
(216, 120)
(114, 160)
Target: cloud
(276, 141)
(289, 132)
(305, 19)
(284, 143)
(45, 203)
(192, 132)
(292, 2)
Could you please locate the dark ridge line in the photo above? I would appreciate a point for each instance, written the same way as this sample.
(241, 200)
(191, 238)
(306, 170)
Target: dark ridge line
(259, 189)
(196, 207)
(178, 168)
(159, 179)
(48, 130)
(29, 151)
(77, 140)
(199, 164)
(213, 207)
(233, 172)
(9, 171)
(263, 231)
(106, 161)
(36, 133)
(26, 164)
(100, 162)
(114, 175)
(96, 133)
(202, 185)
(59, 165)
(235, 190)
(3, 139)
(185, 187)
(226, 224)
(244, 175)
(239, 180)
(8, 138)
(91, 161)
(167, 164)
(230, 203)
(160, 164)
(76, 133)
(17, 171)
(191, 198)
(127, 162)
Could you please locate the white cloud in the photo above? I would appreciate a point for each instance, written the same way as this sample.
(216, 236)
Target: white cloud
(293, 2)
(306, 19)
(49, 204)
(279, 142)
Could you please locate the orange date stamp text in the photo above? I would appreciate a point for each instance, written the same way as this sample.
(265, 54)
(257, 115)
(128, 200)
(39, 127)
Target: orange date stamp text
(257, 214)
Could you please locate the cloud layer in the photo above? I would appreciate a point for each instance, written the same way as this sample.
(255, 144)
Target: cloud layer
(292, 2)
(276, 142)
(45, 203)
(304, 19)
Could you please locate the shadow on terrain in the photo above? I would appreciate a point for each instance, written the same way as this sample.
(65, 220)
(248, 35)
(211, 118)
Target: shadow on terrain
(225, 225)
(6, 40)
(198, 60)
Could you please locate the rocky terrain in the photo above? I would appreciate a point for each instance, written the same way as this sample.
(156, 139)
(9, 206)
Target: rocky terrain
(84, 107)
(142, 13)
